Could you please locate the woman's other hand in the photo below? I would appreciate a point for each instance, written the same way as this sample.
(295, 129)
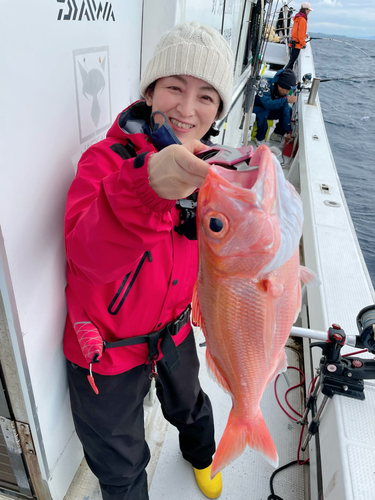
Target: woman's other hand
(175, 172)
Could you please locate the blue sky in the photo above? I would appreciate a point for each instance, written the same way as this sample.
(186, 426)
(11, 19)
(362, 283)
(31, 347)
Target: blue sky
(341, 17)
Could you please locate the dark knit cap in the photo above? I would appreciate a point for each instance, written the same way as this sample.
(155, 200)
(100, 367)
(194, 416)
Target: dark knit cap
(287, 79)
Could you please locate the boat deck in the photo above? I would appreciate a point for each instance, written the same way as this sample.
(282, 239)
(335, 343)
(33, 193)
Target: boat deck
(248, 476)
(171, 477)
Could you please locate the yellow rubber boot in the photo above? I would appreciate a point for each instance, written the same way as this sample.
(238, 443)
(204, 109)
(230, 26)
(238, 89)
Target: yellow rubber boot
(209, 487)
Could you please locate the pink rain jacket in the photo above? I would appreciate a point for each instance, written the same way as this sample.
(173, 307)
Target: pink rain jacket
(112, 218)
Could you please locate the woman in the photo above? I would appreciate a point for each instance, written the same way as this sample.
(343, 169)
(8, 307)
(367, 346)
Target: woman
(131, 269)
(298, 33)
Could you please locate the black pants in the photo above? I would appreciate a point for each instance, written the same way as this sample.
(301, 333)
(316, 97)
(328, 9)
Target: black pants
(110, 425)
(293, 57)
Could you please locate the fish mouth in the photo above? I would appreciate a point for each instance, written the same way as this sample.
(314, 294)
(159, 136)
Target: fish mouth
(244, 178)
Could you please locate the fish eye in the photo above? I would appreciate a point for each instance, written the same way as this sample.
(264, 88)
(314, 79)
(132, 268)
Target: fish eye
(216, 225)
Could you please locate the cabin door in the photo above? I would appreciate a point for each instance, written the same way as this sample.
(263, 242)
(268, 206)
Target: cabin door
(13, 474)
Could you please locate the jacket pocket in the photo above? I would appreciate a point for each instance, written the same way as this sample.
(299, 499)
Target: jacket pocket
(119, 298)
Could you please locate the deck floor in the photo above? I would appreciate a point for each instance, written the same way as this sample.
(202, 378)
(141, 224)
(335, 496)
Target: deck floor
(247, 478)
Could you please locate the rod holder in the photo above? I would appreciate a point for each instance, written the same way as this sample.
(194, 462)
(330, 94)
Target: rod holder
(313, 91)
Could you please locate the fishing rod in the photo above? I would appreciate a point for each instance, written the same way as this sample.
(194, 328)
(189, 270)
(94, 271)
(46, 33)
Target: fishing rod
(257, 21)
(346, 78)
(261, 16)
(340, 41)
(333, 40)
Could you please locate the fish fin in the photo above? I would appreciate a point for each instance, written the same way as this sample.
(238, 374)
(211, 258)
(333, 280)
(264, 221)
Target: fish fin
(283, 363)
(239, 433)
(309, 277)
(298, 301)
(213, 370)
(196, 312)
(281, 366)
(274, 290)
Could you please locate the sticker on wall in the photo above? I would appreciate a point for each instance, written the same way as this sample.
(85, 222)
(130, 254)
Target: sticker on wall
(91, 70)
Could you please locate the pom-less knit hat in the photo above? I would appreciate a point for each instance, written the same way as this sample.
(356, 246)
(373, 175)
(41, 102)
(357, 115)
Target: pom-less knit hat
(195, 50)
(287, 79)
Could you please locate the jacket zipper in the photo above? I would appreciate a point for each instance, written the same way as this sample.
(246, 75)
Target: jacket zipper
(116, 297)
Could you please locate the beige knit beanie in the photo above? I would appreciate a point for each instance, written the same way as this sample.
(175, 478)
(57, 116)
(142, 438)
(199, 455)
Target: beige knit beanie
(195, 50)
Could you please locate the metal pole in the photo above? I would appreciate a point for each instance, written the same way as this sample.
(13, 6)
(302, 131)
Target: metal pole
(313, 91)
(318, 335)
(246, 128)
(316, 421)
(285, 20)
(308, 334)
(249, 104)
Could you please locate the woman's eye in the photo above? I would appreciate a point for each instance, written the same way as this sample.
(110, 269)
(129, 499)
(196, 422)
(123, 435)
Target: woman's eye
(207, 98)
(172, 87)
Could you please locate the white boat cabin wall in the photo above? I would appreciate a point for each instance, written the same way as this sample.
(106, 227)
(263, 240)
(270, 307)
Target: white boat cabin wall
(49, 119)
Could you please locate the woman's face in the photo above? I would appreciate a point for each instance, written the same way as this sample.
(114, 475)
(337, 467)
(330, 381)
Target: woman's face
(190, 105)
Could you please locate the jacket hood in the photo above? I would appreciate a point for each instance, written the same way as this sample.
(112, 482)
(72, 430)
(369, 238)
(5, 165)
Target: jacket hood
(130, 121)
(300, 14)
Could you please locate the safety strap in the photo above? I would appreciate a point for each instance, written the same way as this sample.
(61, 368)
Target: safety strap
(167, 345)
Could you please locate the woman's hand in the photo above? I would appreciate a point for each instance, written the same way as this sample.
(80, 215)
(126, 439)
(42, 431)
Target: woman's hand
(175, 172)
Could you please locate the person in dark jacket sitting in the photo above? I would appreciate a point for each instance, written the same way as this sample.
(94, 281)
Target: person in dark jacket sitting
(274, 105)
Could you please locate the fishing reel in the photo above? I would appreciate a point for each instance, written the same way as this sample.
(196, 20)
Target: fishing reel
(342, 375)
(307, 78)
(218, 154)
(263, 87)
(306, 82)
(366, 328)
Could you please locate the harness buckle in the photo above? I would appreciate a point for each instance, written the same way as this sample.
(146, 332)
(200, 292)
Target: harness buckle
(176, 325)
(154, 368)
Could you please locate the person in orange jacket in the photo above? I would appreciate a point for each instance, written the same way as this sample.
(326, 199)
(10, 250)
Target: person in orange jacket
(298, 33)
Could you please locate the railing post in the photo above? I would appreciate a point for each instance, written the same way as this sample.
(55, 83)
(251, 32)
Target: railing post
(313, 91)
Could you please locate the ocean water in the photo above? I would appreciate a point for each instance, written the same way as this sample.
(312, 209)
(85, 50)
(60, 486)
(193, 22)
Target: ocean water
(348, 108)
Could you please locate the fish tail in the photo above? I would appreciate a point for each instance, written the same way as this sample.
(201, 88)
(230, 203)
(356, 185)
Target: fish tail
(237, 435)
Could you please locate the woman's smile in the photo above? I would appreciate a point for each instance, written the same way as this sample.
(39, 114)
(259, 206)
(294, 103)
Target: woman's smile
(179, 124)
(190, 105)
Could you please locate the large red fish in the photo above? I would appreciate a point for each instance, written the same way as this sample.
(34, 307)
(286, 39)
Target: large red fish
(248, 291)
